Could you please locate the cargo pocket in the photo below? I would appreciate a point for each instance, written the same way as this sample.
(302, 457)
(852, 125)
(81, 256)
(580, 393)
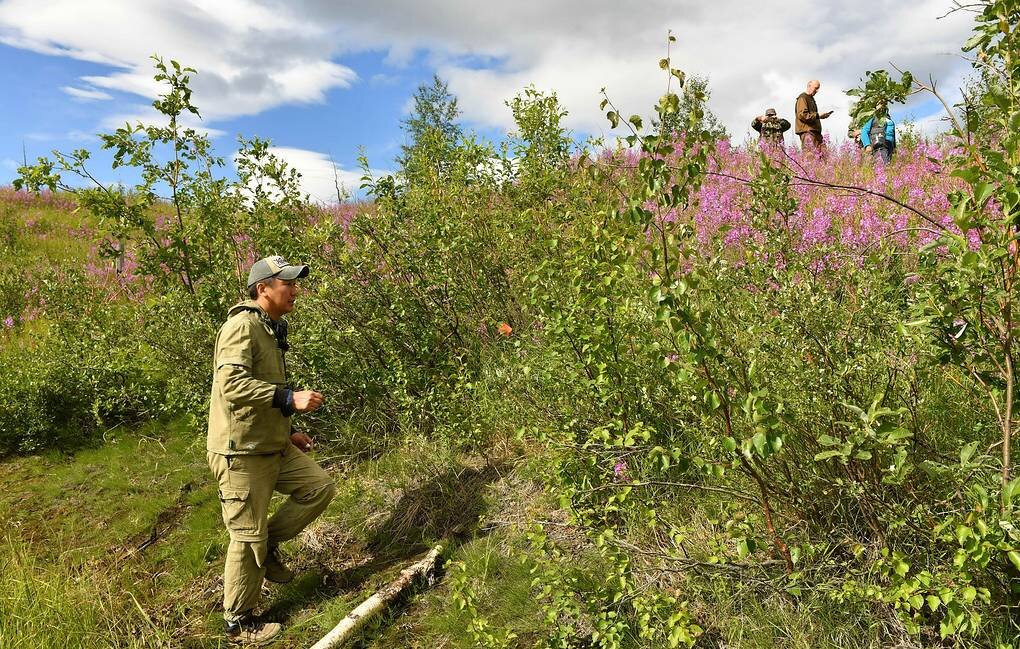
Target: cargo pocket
(237, 513)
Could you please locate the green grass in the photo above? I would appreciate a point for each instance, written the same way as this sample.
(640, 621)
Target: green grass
(46, 603)
(501, 584)
(40, 232)
(123, 545)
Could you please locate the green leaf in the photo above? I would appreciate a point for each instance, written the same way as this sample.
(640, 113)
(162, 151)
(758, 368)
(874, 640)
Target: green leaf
(969, 174)
(776, 442)
(636, 121)
(1012, 489)
(967, 452)
(742, 550)
(968, 594)
(897, 434)
(613, 118)
(974, 41)
(983, 190)
(1014, 558)
(664, 64)
(963, 533)
(825, 455)
(712, 400)
(758, 441)
(669, 104)
(901, 567)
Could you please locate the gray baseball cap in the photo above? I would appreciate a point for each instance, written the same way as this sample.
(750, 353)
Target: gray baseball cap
(771, 111)
(275, 266)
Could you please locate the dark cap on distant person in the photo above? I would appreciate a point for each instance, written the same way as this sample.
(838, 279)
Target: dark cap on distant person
(771, 112)
(275, 266)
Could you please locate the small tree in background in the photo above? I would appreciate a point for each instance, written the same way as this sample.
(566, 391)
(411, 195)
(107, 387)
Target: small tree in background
(541, 145)
(432, 129)
(693, 109)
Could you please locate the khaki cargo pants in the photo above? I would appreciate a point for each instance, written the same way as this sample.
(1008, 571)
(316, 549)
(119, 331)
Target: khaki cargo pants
(246, 486)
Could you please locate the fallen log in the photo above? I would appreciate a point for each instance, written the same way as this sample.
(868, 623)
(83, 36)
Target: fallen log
(378, 602)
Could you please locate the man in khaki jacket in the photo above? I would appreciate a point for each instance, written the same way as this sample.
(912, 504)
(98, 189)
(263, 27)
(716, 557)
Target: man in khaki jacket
(251, 449)
(809, 120)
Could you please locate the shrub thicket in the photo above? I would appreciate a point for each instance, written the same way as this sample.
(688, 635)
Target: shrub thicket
(745, 374)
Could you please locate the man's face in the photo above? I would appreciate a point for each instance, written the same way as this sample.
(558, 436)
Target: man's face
(813, 87)
(278, 296)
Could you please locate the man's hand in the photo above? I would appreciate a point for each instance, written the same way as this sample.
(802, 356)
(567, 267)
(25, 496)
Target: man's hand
(824, 115)
(307, 401)
(302, 441)
(760, 118)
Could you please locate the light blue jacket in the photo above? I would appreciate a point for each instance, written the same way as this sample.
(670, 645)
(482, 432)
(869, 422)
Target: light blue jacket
(890, 132)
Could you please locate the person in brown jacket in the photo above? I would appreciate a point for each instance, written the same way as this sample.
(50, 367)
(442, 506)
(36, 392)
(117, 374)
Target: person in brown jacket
(809, 121)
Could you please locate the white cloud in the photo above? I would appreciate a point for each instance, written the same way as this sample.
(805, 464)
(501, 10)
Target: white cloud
(756, 55)
(251, 57)
(87, 94)
(147, 116)
(74, 135)
(254, 55)
(319, 173)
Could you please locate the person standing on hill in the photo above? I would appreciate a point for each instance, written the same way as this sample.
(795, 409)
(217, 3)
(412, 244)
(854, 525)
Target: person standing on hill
(252, 450)
(878, 134)
(809, 120)
(770, 127)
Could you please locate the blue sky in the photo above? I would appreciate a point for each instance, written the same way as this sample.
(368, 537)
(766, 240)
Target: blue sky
(366, 116)
(321, 78)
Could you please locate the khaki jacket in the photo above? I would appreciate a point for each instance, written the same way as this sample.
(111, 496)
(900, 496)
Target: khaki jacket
(248, 367)
(807, 115)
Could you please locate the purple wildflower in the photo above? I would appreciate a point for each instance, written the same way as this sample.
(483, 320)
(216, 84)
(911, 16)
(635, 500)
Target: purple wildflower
(620, 470)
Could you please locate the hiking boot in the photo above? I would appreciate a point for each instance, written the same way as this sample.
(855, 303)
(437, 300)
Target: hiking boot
(249, 631)
(276, 571)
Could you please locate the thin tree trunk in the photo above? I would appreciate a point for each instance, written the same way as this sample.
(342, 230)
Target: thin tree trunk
(378, 602)
(1007, 429)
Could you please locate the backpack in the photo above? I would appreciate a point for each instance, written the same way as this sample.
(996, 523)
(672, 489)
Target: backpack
(877, 132)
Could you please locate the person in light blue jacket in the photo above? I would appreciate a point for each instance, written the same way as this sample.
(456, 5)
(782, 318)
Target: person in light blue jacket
(878, 134)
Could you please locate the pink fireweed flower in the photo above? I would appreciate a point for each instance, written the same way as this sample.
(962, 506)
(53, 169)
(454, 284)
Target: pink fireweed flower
(620, 471)
(8, 322)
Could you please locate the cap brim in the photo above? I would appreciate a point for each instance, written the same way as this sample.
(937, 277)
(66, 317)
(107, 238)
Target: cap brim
(293, 272)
